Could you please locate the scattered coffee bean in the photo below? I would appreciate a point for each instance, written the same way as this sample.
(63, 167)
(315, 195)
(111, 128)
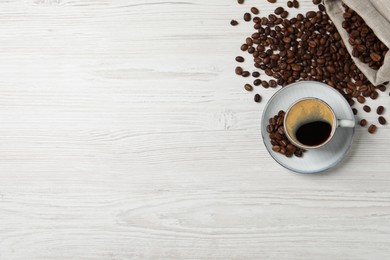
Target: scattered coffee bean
(244, 47)
(354, 110)
(311, 14)
(374, 95)
(372, 129)
(247, 17)
(367, 108)
(284, 14)
(257, 98)
(240, 59)
(239, 70)
(249, 41)
(240, 1)
(245, 74)
(290, 4)
(265, 84)
(272, 83)
(381, 120)
(248, 87)
(380, 110)
(272, 1)
(257, 82)
(233, 23)
(381, 88)
(254, 10)
(295, 4)
(317, 2)
(363, 122)
(255, 74)
(279, 10)
(361, 99)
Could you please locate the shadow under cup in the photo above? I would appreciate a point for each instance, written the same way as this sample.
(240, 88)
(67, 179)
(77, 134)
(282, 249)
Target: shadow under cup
(310, 123)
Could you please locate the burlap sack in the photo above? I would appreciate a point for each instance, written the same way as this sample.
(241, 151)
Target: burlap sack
(376, 13)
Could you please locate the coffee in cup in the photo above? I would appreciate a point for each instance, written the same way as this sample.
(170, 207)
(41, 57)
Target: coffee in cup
(311, 123)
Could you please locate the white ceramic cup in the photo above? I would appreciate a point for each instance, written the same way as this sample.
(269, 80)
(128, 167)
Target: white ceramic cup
(308, 111)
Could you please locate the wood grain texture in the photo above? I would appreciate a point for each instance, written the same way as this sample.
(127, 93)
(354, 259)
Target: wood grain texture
(126, 135)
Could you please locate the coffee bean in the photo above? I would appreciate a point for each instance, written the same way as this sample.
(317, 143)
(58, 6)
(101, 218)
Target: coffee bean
(311, 14)
(239, 70)
(375, 56)
(248, 87)
(273, 84)
(283, 142)
(296, 4)
(380, 110)
(372, 129)
(257, 82)
(281, 130)
(374, 95)
(363, 122)
(245, 74)
(244, 47)
(256, 20)
(331, 69)
(257, 98)
(279, 122)
(382, 88)
(296, 67)
(249, 41)
(254, 10)
(317, 2)
(381, 120)
(240, 59)
(240, 1)
(265, 84)
(255, 74)
(367, 108)
(290, 4)
(279, 10)
(290, 147)
(361, 99)
(272, 1)
(298, 153)
(354, 110)
(247, 17)
(284, 14)
(233, 23)
(276, 148)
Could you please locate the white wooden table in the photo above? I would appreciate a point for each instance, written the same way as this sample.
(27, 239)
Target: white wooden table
(126, 135)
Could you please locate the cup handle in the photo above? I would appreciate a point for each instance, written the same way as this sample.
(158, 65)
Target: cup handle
(345, 123)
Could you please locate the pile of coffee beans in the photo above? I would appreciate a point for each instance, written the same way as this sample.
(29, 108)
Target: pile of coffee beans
(366, 45)
(305, 47)
(279, 140)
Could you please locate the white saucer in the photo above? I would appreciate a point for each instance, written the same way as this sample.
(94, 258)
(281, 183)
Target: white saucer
(321, 159)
